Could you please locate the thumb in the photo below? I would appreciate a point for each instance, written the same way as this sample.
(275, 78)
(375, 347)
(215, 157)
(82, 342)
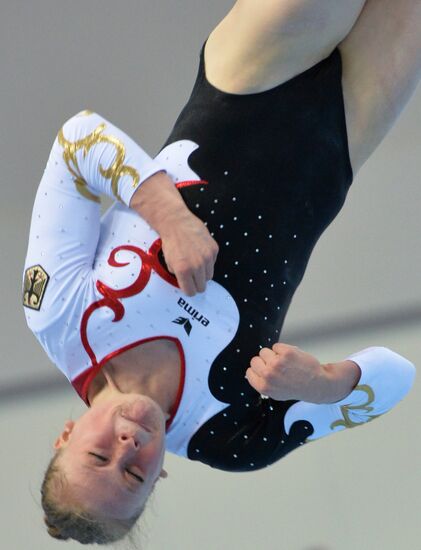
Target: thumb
(255, 381)
(169, 266)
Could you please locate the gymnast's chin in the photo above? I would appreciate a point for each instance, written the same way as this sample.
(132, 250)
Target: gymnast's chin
(106, 465)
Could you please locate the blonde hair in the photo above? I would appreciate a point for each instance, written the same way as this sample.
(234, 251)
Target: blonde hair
(73, 522)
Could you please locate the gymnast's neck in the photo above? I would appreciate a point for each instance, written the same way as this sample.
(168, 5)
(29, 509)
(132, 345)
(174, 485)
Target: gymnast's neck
(151, 369)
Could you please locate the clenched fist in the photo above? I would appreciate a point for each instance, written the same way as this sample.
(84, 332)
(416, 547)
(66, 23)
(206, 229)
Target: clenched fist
(286, 372)
(190, 251)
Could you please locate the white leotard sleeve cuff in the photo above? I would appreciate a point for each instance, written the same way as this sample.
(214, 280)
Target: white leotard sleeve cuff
(387, 372)
(386, 378)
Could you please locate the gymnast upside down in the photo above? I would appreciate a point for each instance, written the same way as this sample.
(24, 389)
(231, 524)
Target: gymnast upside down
(165, 314)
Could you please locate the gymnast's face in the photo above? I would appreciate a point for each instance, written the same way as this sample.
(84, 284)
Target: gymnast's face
(127, 433)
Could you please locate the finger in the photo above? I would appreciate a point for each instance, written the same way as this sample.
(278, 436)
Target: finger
(285, 352)
(256, 382)
(209, 270)
(210, 264)
(216, 252)
(190, 290)
(280, 348)
(258, 366)
(267, 354)
(186, 283)
(199, 278)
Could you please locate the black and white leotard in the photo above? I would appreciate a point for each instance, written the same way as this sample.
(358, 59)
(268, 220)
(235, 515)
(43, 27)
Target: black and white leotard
(267, 173)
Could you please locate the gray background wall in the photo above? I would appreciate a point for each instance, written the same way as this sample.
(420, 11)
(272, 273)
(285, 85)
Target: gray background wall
(135, 63)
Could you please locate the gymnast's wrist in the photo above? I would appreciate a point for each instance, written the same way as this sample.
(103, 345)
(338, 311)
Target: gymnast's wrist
(159, 202)
(343, 378)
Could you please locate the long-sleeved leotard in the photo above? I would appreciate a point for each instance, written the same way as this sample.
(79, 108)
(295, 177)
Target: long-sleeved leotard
(95, 288)
(92, 291)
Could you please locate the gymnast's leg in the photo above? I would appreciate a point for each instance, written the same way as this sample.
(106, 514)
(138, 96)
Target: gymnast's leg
(259, 45)
(381, 60)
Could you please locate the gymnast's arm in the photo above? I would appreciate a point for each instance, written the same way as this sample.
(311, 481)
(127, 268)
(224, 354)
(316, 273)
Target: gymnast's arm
(89, 157)
(286, 372)
(190, 251)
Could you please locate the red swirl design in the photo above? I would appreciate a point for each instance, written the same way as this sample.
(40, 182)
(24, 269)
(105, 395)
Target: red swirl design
(111, 297)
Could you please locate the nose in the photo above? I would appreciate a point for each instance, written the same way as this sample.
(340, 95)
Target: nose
(133, 436)
(129, 440)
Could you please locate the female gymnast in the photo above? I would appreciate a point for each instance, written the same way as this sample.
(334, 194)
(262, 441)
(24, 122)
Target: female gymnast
(168, 349)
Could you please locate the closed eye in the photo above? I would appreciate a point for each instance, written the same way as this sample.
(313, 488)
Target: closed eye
(103, 459)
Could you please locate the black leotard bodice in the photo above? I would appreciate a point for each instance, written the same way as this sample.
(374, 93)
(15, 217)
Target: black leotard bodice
(278, 168)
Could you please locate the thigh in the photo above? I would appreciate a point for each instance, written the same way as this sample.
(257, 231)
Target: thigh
(259, 45)
(381, 59)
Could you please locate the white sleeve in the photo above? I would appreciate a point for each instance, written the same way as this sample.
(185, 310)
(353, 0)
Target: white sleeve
(386, 371)
(386, 378)
(102, 159)
(89, 157)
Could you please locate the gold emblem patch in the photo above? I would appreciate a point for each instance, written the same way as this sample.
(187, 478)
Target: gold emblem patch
(34, 285)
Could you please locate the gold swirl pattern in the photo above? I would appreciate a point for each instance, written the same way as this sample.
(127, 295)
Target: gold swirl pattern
(86, 112)
(114, 172)
(346, 409)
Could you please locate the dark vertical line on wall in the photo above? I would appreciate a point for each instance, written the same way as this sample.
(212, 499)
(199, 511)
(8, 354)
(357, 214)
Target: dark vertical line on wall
(342, 328)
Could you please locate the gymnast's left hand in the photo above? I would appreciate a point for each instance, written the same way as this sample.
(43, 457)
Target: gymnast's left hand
(285, 372)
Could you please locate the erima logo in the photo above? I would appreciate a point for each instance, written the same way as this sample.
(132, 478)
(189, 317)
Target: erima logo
(185, 322)
(194, 313)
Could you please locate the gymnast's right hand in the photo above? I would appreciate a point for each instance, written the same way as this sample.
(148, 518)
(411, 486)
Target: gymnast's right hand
(189, 250)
